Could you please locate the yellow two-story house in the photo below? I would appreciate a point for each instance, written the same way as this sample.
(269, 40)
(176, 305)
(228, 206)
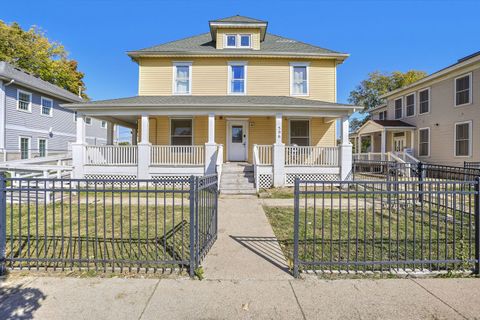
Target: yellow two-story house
(236, 96)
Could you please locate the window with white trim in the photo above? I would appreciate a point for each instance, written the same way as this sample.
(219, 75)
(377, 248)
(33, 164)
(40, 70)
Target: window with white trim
(42, 147)
(463, 90)
(237, 76)
(24, 101)
(104, 124)
(88, 121)
(398, 108)
(47, 106)
(24, 148)
(463, 133)
(410, 105)
(238, 40)
(181, 132)
(382, 115)
(424, 101)
(300, 132)
(424, 142)
(182, 78)
(299, 79)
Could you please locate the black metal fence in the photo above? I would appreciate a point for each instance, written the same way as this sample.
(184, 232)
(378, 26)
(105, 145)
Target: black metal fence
(386, 226)
(105, 225)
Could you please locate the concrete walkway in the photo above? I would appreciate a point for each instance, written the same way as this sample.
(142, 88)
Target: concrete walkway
(115, 298)
(246, 248)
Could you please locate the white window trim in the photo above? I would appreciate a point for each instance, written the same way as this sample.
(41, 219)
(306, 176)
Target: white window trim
(309, 129)
(229, 83)
(300, 64)
(414, 105)
(395, 108)
(101, 124)
(29, 146)
(46, 146)
(238, 42)
(429, 101)
(181, 118)
(18, 101)
(176, 64)
(429, 142)
(41, 107)
(91, 121)
(470, 140)
(470, 92)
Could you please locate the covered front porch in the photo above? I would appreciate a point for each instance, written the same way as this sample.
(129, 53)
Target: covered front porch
(281, 142)
(391, 140)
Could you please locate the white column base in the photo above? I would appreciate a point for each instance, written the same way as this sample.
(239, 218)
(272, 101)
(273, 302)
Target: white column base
(345, 161)
(78, 160)
(278, 165)
(143, 165)
(210, 158)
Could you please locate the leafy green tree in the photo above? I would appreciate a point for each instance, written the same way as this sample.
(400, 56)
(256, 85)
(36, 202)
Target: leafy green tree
(367, 94)
(33, 52)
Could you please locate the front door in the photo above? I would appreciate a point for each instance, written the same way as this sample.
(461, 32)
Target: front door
(398, 144)
(237, 140)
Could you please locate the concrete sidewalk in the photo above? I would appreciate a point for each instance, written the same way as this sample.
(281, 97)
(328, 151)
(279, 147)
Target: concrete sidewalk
(115, 298)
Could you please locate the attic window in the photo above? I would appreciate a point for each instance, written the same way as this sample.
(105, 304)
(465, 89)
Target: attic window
(237, 41)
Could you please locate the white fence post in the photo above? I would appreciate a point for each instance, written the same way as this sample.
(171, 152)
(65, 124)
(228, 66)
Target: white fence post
(278, 154)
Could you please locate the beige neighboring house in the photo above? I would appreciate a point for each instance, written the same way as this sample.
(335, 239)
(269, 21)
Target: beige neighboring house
(235, 93)
(434, 120)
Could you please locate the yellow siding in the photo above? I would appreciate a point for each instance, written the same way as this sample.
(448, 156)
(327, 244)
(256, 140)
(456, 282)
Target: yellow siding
(261, 131)
(254, 32)
(267, 77)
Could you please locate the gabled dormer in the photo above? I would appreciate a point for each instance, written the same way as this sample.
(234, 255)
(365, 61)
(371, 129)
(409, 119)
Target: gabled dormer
(238, 32)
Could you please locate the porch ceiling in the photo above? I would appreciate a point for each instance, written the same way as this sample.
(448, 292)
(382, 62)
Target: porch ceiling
(126, 109)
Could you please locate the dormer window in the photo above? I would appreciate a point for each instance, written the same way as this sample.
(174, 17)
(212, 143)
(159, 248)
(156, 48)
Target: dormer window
(237, 41)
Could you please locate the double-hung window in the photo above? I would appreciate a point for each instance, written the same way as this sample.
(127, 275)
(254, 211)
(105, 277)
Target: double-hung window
(410, 105)
(463, 139)
(42, 147)
(300, 132)
(181, 131)
(463, 90)
(382, 115)
(398, 108)
(299, 79)
(424, 101)
(237, 75)
(24, 148)
(182, 78)
(24, 101)
(47, 106)
(424, 142)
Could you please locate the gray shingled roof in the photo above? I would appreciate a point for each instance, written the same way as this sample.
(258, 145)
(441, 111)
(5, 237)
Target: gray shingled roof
(240, 19)
(9, 72)
(166, 101)
(203, 43)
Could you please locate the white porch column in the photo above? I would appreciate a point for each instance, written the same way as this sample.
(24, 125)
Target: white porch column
(383, 144)
(110, 133)
(144, 149)
(210, 147)
(278, 154)
(345, 150)
(79, 149)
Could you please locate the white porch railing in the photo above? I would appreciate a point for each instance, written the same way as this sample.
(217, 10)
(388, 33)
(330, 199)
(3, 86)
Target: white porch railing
(178, 155)
(311, 156)
(264, 153)
(111, 155)
(376, 156)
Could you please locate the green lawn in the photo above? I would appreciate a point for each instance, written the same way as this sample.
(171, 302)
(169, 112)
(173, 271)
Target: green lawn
(381, 236)
(96, 231)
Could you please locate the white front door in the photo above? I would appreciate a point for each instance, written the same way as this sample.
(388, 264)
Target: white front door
(398, 144)
(237, 140)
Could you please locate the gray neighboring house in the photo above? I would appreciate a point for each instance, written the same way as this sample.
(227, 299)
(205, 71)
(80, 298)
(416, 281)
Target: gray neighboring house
(32, 122)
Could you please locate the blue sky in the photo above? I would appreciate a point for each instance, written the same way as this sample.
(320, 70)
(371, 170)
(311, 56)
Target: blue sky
(379, 35)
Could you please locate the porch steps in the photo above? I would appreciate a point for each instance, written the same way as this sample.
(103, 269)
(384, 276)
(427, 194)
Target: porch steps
(237, 179)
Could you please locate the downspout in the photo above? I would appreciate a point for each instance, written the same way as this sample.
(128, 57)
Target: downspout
(4, 116)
